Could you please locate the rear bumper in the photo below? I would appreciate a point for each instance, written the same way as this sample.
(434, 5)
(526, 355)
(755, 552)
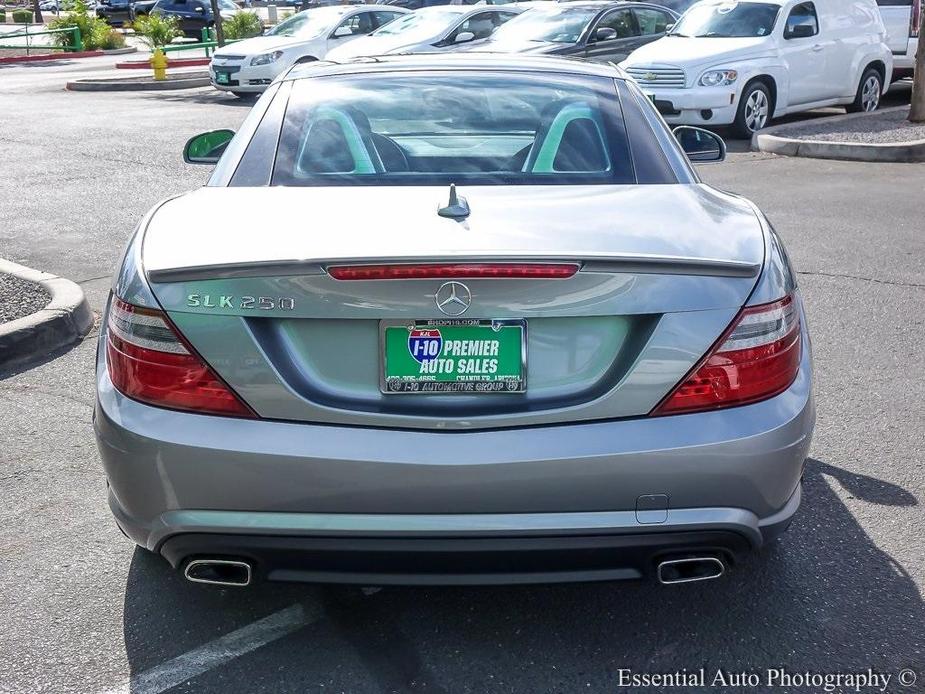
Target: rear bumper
(454, 561)
(461, 550)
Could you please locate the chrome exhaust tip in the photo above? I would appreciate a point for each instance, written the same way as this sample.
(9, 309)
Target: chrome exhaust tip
(690, 569)
(219, 572)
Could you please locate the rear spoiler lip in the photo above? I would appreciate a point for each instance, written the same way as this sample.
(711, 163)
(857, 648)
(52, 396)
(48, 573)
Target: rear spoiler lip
(597, 263)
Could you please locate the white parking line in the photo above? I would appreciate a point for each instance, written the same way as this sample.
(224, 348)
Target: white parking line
(218, 652)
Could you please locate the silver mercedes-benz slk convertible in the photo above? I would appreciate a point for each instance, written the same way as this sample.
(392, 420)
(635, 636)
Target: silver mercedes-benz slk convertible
(456, 319)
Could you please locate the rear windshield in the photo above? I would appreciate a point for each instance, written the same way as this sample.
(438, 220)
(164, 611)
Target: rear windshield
(439, 128)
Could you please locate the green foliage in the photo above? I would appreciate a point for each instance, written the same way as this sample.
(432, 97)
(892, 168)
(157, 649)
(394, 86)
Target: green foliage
(94, 32)
(22, 16)
(242, 25)
(157, 30)
(2, 15)
(113, 40)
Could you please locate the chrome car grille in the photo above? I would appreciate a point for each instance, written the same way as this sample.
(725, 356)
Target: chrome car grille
(657, 76)
(225, 59)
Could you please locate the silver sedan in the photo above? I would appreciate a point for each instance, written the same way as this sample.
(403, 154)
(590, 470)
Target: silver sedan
(472, 319)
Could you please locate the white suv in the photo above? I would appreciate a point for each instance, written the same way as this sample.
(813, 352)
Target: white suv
(742, 63)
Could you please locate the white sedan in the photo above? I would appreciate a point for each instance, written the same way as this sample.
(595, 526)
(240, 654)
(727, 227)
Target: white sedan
(249, 66)
(430, 30)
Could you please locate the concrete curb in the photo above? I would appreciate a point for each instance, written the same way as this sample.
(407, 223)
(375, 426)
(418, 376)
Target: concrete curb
(65, 56)
(138, 84)
(774, 141)
(49, 56)
(65, 320)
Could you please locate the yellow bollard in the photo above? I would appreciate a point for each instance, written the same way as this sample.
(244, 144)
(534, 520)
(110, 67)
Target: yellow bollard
(159, 64)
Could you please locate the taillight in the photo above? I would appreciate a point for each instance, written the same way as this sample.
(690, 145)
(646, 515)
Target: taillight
(454, 271)
(757, 357)
(149, 362)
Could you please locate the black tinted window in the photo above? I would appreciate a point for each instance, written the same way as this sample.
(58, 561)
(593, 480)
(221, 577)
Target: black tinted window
(802, 21)
(620, 21)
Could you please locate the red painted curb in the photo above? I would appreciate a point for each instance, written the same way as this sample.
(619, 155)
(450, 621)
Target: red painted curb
(171, 62)
(50, 56)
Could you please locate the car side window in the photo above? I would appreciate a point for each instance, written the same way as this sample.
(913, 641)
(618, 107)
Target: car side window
(802, 22)
(651, 21)
(381, 18)
(620, 21)
(480, 25)
(500, 18)
(358, 25)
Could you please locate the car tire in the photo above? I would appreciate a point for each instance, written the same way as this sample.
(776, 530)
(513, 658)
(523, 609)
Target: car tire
(870, 88)
(754, 112)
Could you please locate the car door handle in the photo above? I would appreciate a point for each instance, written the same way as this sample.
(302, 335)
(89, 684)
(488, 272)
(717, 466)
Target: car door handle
(817, 48)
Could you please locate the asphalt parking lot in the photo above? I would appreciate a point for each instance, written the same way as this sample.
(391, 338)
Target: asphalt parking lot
(84, 611)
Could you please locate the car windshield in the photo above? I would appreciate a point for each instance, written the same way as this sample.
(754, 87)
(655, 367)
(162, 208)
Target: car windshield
(559, 25)
(423, 24)
(308, 24)
(727, 20)
(452, 127)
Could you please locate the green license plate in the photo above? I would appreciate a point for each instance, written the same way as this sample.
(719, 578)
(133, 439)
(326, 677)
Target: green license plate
(454, 356)
(222, 78)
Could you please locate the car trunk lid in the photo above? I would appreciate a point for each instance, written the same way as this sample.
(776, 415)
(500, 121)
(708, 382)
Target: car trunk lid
(244, 274)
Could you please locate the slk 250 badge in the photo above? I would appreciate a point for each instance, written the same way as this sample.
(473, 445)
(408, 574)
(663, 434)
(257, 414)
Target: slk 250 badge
(244, 303)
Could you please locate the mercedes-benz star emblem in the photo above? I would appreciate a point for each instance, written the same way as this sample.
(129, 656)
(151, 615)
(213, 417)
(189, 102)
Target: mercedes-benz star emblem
(453, 298)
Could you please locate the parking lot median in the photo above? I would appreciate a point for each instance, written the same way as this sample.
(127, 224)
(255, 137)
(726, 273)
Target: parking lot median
(881, 136)
(42, 313)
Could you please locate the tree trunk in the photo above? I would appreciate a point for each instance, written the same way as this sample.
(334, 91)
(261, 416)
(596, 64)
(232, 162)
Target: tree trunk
(216, 15)
(37, 13)
(917, 109)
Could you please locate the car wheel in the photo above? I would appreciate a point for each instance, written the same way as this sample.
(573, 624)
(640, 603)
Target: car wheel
(754, 112)
(867, 98)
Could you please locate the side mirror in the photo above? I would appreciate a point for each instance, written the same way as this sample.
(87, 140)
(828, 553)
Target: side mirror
(207, 148)
(340, 32)
(701, 146)
(464, 37)
(669, 27)
(605, 34)
(800, 31)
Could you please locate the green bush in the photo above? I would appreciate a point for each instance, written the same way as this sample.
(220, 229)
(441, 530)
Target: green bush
(113, 40)
(156, 30)
(242, 25)
(94, 32)
(2, 16)
(22, 16)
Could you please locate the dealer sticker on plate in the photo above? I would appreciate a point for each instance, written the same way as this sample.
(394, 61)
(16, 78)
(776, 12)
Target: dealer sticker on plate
(454, 356)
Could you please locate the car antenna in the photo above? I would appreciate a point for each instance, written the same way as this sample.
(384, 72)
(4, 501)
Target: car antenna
(456, 208)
